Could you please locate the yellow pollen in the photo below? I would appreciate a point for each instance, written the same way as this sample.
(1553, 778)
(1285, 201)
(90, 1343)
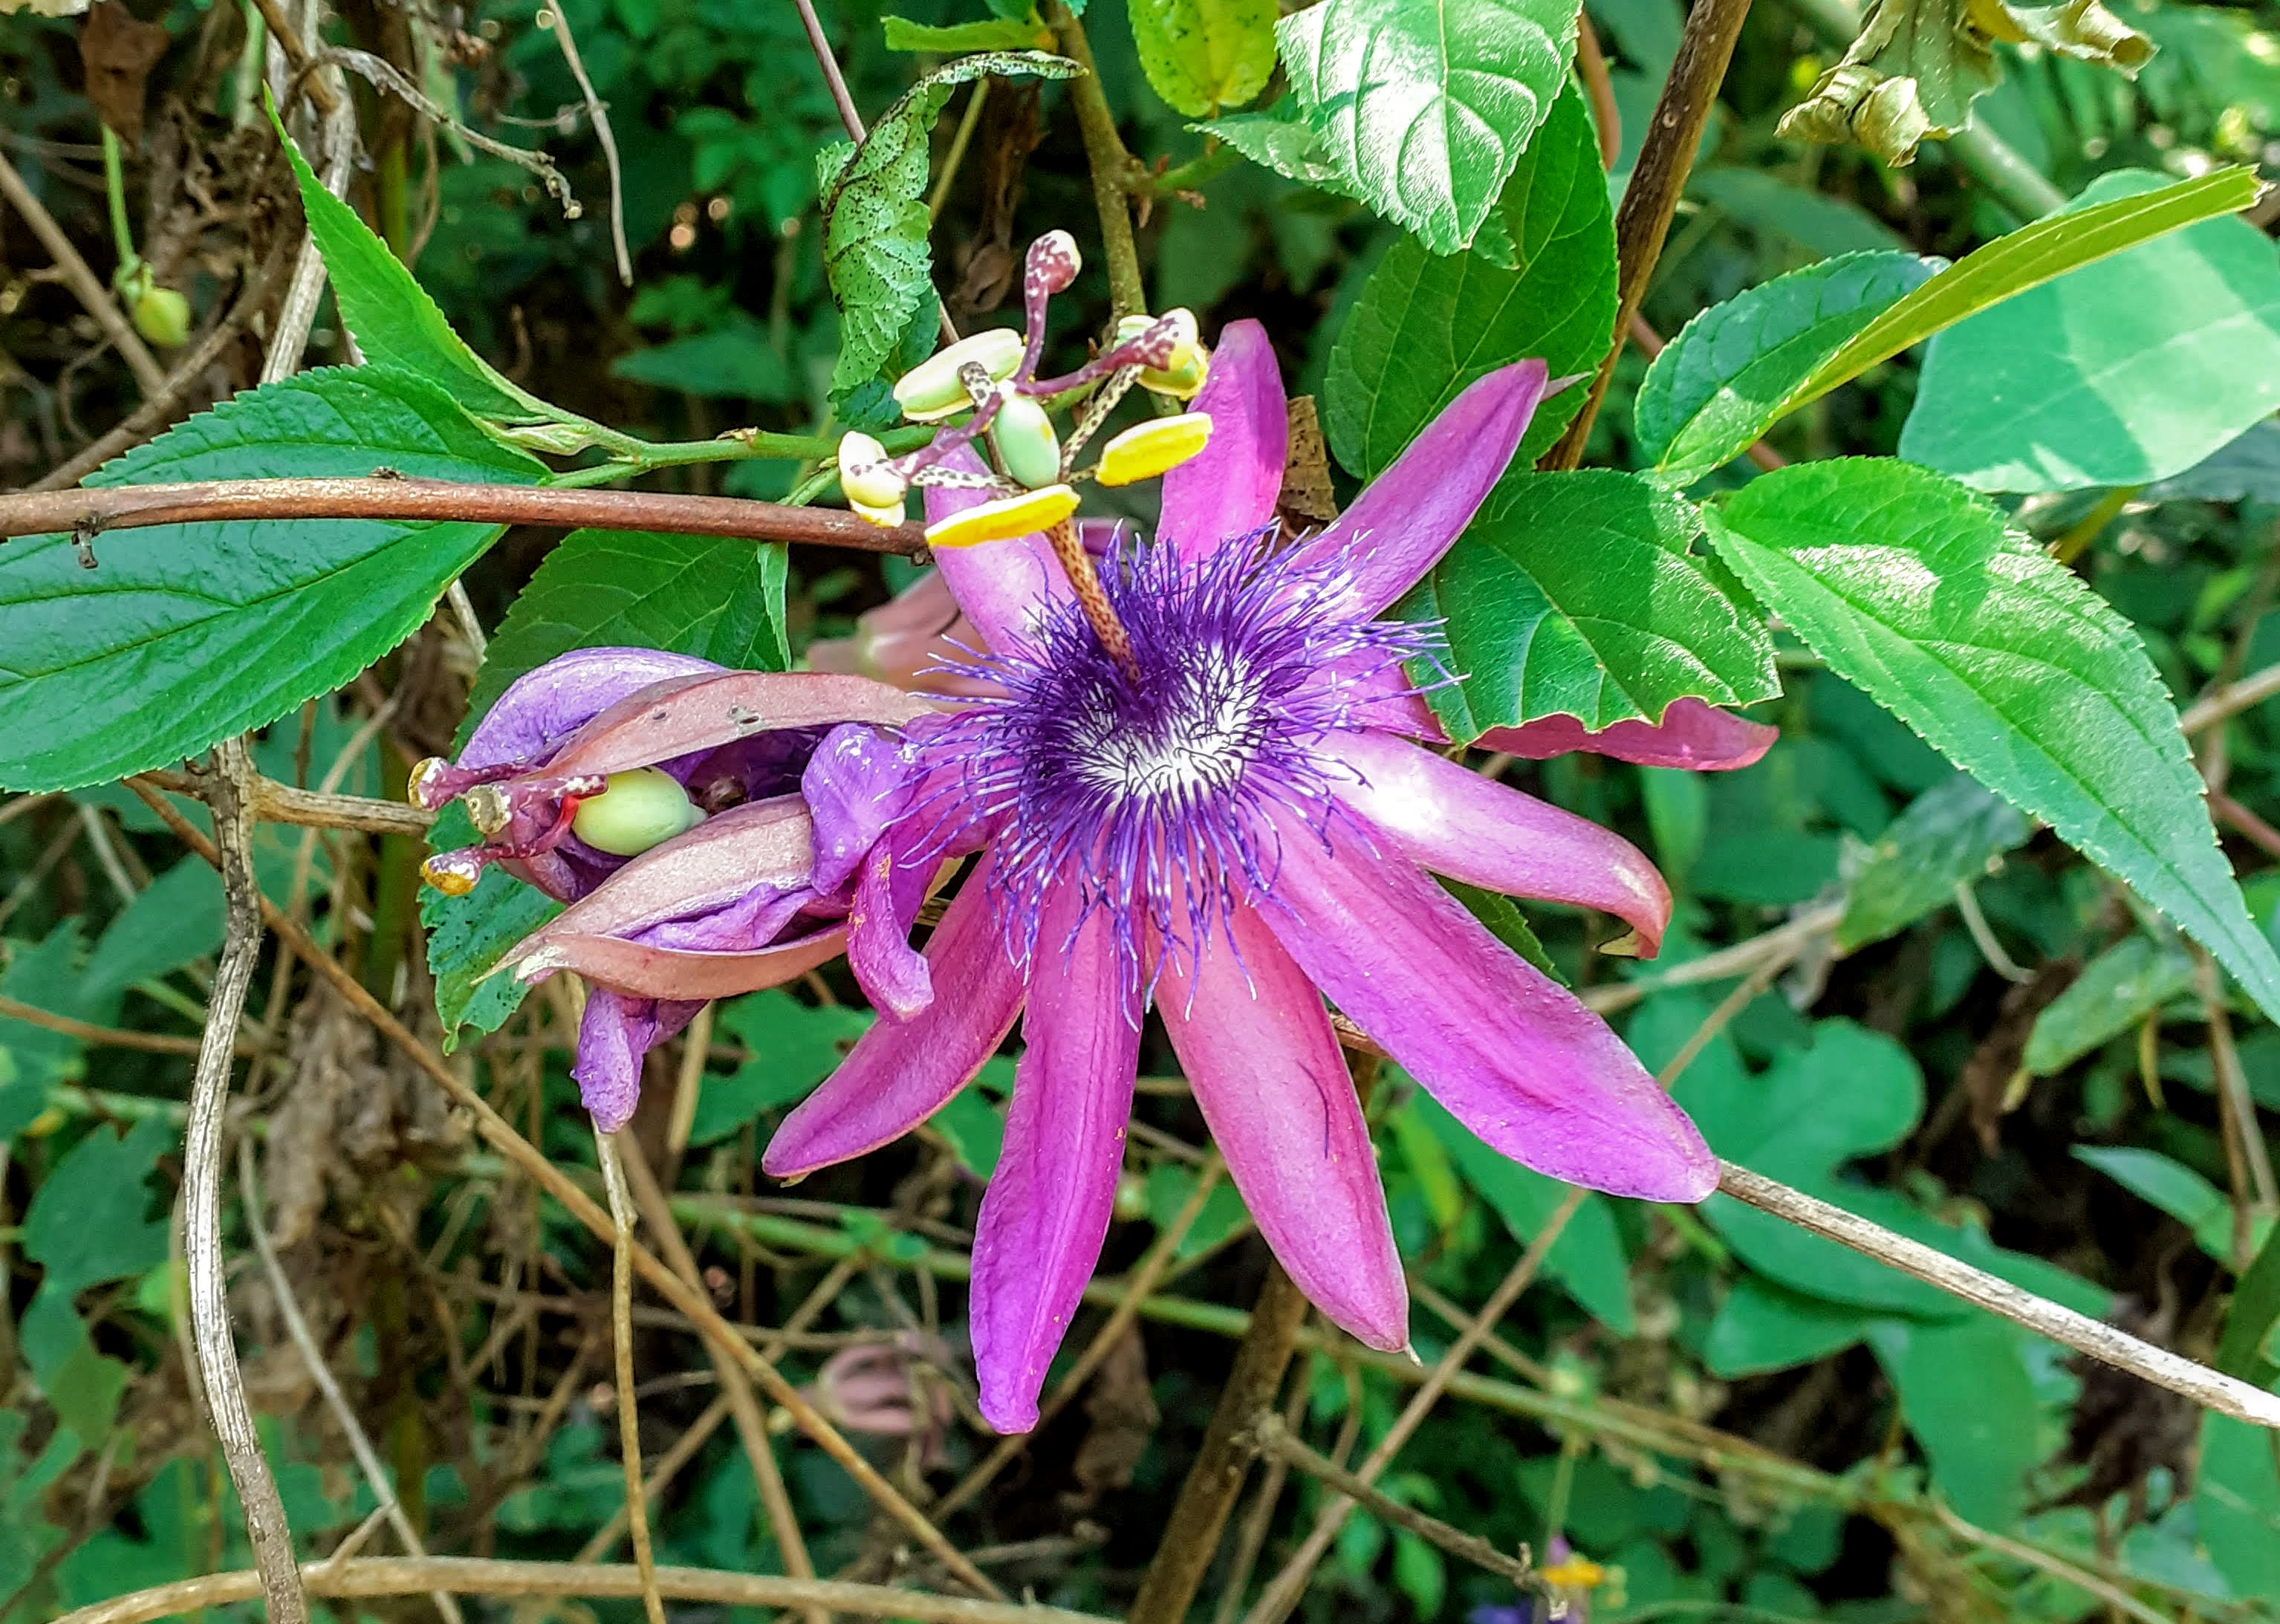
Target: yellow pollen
(1576, 1574)
(1005, 519)
(1152, 449)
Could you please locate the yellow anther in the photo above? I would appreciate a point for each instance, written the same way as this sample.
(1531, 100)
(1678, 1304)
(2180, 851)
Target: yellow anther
(1576, 1574)
(1184, 378)
(1005, 519)
(1151, 449)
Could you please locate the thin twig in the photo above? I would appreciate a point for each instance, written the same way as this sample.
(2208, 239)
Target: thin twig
(528, 1159)
(621, 1343)
(150, 377)
(371, 1577)
(218, 1371)
(1251, 1535)
(1271, 1437)
(313, 1360)
(2056, 1567)
(600, 116)
(320, 91)
(1983, 937)
(272, 801)
(116, 1037)
(1599, 89)
(959, 142)
(668, 1466)
(1657, 180)
(129, 507)
(296, 312)
(2098, 1339)
(2261, 1196)
(1283, 1592)
(2229, 700)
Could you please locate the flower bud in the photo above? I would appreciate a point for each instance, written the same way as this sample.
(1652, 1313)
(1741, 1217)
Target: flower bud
(1184, 377)
(1053, 262)
(163, 316)
(1005, 519)
(872, 486)
(931, 390)
(1026, 442)
(640, 809)
(1151, 449)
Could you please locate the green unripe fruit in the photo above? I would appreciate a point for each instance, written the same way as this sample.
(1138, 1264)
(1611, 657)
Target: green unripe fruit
(1026, 442)
(932, 390)
(163, 316)
(640, 809)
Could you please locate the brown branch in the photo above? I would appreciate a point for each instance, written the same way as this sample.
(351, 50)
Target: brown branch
(91, 512)
(621, 1343)
(1673, 134)
(2230, 699)
(533, 1163)
(272, 801)
(218, 1371)
(1599, 88)
(315, 85)
(372, 1577)
(150, 377)
(115, 1037)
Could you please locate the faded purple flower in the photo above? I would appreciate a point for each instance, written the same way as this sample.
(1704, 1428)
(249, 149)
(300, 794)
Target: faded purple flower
(1234, 829)
(701, 885)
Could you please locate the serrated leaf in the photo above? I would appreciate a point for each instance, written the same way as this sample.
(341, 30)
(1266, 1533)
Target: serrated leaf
(2026, 258)
(1577, 594)
(468, 936)
(1204, 55)
(1947, 837)
(1425, 105)
(992, 33)
(875, 231)
(637, 589)
(2116, 990)
(2247, 470)
(2121, 373)
(1289, 146)
(1908, 585)
(393, 319)
(1723, 379)
(1426, 327)
(186, 634)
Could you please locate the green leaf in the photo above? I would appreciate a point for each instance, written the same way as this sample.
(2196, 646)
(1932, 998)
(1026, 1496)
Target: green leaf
(2237, 1494)
(1425, 328)
(1204, 55)
(2247, 470)
(1576, 593)
(1722, 381)
(2026, 258)
(875, 230)
(1816, 222)
(735, 362)
(991, 34)
(793, 1047)
(1287, 146)
(974, 1129)
(2121, 373)
(178, 917)
(90, 1220)
(1761, 1327)
(1168, 1187)
(394, 322)
(468, 936)
(48, 977)
(1506, 922)
(1947, 837)
(2171, 1186)
(637, 589)
(2250, 1316)
(1967, 1394)
(1425, 105)
(1587, 1258)
(2119, 989)
(186, 634)
(1908, 587)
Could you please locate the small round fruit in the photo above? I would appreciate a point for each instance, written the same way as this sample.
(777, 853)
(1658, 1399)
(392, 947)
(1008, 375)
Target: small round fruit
(163, 316)
(640, 809)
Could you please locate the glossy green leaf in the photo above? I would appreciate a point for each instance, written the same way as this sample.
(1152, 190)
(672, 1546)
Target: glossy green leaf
(874, 232)
(1947, 837)
(394, 321)
(2247, 469)
(1425, 105)
(186, 634)
(1426, 327)
(1587, 1258)
(2026, 259)
(1205, 55)
(2236, 1497)
(1577, 593)
(1908, 587)
(693, 595)
(2171, 1186)
(2121, 373)
(1967, 1396)
(468, 936)
(990, 34)
(2115, 991)
(1720, 383)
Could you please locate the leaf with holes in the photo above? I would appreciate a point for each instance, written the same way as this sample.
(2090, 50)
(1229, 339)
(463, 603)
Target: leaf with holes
(1426, 327)
(1425, 105)
(1578, 595)
(1909, 586)
(186, 634)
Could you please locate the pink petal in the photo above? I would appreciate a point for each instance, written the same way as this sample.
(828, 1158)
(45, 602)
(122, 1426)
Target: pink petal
(1513, 1057)
(1230, 491)
(542, 708)
(893, 975)
(902, 1072)
(613, 1035)
(1413, 511)
(1267, 1070)
(1460, 824)
(1000, 585)
(723, 858)
(1048, 1206)
(909, 641)
(683, 715)
(1692, 734)
(637, 969)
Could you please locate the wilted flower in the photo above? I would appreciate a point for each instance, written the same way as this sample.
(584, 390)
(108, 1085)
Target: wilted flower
(656, 795)
(890, 1391)
(1226, 816)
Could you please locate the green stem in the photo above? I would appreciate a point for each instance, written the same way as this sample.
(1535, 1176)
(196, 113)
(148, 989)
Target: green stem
(629, 456)
(1196, 173)
(114, 184)
(1110, 164)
